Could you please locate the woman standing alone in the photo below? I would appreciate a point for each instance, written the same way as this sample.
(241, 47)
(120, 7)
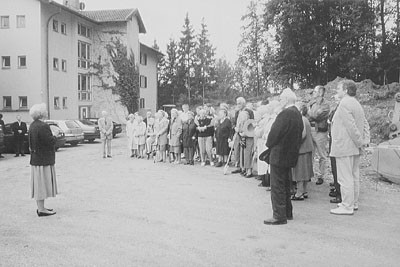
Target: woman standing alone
(43, 173)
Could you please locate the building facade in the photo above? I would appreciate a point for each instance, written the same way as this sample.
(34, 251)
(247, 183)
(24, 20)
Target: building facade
(48, 51)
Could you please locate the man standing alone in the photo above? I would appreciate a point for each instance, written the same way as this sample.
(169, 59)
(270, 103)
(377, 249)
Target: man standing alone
(19, 129)
(284, 142)
(106, 133)
(350, 133)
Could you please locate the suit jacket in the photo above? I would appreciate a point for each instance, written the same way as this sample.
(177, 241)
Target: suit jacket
(42, 144)
(15, 127)
(284, 139)
(350, 128)
(106, 128)
(188, 132)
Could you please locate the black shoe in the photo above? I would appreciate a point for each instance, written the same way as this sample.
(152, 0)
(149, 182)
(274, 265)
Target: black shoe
(42, 214)
(1, 157)
(109, 156)
(219, 164)
(23, 155)
(305, 195)
(296, 198)
(335, 200)
(319, 181)
(248, 175)
(16, 156)
(236, 171)
(333, 194)
(274, 221)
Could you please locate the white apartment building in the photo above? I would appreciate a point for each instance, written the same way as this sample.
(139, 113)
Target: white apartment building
(47, 50)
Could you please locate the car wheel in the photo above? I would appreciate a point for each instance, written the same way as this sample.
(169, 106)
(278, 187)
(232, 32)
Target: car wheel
(90, 140)
(74, 143)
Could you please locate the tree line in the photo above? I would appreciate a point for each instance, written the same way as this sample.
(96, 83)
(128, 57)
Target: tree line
(286, 43)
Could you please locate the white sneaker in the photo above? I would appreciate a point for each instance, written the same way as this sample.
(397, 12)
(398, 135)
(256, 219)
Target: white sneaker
(212, 163)
(342, 211)
(203, 164)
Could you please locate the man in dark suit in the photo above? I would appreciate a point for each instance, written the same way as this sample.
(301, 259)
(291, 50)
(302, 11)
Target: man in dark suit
(19, 129)
(284, 142)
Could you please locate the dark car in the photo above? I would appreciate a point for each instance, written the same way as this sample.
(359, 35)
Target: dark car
(90, 130)
(117, 126)
(2, 144)
(10, 142)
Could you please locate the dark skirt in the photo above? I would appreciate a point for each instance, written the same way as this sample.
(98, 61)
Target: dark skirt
(222, 147)
(304, 168)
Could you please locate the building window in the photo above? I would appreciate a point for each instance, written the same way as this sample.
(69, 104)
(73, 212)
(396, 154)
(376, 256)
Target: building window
(143, 81)
(143, 59)
(141, 103)
(6, 62)
(56, 102)
(55, 25)
(7, 102)
(64, 28)
(64, 65)
(64, 103)
(55, 63)
(23, 102)
(4, 22)
(84, 88)
(20, 21)
(84, 31)
(22, 62)
(83, 55)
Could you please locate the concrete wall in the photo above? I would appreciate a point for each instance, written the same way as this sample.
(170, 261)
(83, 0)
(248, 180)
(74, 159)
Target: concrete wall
(16, 42)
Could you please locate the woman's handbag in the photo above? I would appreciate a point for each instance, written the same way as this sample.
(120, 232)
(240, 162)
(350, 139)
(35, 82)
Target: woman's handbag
(264, 156)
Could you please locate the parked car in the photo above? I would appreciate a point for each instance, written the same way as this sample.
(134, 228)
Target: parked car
(73, 133)
(2, 144)
(10, 142)
(90, 130)
(117, 126)
(59, 134)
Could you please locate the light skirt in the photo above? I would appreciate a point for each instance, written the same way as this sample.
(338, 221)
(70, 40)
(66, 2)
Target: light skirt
(43, 182)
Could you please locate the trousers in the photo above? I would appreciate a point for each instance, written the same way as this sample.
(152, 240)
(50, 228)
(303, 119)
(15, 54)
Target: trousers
(348, 173)
(280, 192)
(320, 142)
(205, 147)
(106, 147)
(189, 153)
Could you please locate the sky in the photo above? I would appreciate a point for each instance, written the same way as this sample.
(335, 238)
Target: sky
(164, 19)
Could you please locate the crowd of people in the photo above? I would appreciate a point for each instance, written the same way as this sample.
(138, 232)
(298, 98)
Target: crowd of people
(283, 137)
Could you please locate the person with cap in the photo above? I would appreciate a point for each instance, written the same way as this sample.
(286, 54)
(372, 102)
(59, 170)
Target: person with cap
(284, 142)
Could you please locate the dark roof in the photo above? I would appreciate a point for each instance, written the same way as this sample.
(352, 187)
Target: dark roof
(114, 15)
(103, 16)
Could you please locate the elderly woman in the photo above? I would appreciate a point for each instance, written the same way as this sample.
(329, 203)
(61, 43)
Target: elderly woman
(303, 171)
(265, 116)
(140, 134)
(175, 133)
(222, 134)
(130, 132)
(43, 173)
(161, 131)
(150, 136)
(189, 138)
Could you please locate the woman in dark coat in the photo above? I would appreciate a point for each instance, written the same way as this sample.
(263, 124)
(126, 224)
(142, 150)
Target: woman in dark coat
(189, 138)
(43, 174)
(222, 134)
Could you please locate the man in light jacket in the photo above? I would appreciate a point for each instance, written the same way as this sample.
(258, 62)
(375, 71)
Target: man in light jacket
(350, 134)
(106, 133)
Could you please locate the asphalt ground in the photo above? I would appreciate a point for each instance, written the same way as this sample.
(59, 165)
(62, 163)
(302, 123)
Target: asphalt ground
(133, 212)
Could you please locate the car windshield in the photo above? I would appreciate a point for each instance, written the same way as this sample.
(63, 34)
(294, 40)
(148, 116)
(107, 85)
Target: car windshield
(71, 124)
(87, 122)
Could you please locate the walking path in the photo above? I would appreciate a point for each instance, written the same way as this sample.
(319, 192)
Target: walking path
(132, 212)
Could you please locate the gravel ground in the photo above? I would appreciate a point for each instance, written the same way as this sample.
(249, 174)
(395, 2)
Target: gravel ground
(132, 212)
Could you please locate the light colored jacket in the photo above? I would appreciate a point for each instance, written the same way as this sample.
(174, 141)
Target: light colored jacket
(175, 132)
(350, 129)
(106, 128)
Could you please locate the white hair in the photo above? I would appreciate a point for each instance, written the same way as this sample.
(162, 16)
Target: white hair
(38, 111)
(241, 100)
(288, 96)
(104, 113)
